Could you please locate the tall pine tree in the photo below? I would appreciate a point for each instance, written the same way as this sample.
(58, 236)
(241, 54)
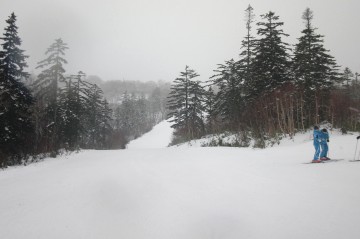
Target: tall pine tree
(181, 103)
(197, 96)
(272, 61)
(315, 71)
(15, 99)
(72, 110)
(247, 55)
(98, 116)
(46, 89)
(229, 101)
(210, 111)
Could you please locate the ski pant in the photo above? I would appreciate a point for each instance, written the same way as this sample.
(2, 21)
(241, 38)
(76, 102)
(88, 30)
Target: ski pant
(324, 150)
(317, 151)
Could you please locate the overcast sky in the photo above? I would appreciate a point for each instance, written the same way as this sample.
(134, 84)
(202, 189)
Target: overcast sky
(155, 39)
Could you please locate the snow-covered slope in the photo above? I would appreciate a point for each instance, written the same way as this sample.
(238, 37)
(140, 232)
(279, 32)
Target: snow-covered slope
(158, 137)
(185, 192)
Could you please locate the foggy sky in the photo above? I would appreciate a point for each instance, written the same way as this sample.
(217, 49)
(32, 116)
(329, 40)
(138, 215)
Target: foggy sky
(155, 39)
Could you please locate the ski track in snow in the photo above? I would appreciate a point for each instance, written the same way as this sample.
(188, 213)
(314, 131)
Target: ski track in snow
(185, 192)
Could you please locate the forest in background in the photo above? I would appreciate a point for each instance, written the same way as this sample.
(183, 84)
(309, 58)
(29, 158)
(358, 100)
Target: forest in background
(56, 111)
(273, 89)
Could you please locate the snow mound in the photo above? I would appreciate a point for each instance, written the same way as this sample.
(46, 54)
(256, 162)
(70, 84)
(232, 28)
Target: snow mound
(159, 137)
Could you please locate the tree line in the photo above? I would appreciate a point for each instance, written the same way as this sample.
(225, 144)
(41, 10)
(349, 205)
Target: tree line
(272, 90)
(59, 111)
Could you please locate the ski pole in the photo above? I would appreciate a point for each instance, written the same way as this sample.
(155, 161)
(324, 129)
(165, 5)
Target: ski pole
(356, 146)
(357, 141)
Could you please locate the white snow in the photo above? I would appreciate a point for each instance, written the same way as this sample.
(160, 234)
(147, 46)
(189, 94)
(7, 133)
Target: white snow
(185, 193)
(159, 137)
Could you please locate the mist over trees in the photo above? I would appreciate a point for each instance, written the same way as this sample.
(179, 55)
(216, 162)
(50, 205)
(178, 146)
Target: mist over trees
(54, 111)
(274, 89)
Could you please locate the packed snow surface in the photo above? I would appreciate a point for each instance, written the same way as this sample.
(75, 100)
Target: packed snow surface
(159, 137)
(186, 193)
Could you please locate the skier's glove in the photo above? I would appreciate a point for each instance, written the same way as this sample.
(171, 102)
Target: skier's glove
(358, 137)
(328, 140)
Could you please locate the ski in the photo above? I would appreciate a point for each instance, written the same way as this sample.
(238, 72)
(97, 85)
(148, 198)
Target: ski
(332, 160)
(325, 161)
(357, 160)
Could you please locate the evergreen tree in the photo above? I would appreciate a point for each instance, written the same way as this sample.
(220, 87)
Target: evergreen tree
(69, 124)
(196, 109)
(157, 105)
(117, 118)
(247, 55)
(125, 115)
(143, 119)
(211, 116)
(119, 139)
(179, 102)
(15, 99)
(105, 129)
(94, 102)
(72, 109)
(235, 80)
(314, 70)
(135, 116)
(347, 77)
(248, 43)
(228, 101)
(47, 84)
(272, 61)
(355, 92)
(98, 117)
(351, 84)
(46, 89)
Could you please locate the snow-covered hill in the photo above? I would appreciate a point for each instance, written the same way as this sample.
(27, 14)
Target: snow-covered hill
(158, 137)
(185, 192)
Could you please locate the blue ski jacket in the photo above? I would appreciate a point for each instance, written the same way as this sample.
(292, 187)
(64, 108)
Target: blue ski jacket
(317, 137)
(324, 137)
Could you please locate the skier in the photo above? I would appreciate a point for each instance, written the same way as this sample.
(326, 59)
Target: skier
(324, 138)
(317, 140)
